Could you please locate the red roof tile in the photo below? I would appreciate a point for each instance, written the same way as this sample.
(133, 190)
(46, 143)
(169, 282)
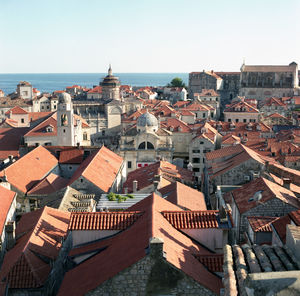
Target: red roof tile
(48, 185)
(96, 90)
(22, 266)
(10, 139)
(192, 219)
(175, 125)
(16, 110)
(184, 196)
(71, 155)
(241, 106)
(100, 168)
(179, 250)
(269, 190)
(213, 262)
(29, 169)
(261, 224)
(103, 220)
(6, 199)
(145, 176)
(280, 227)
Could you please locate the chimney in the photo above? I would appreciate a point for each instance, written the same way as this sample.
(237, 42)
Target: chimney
(155, 183)
(134, 186)
(286, 183)
(156, 245)
(10, 235)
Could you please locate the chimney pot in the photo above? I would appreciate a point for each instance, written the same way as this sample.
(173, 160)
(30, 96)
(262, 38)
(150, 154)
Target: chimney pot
(134, 185)
(156, 245)
(286, 183)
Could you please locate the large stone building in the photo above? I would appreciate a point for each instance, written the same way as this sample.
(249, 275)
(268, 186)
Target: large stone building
(146, 143)
(226, 83)
(260, 82)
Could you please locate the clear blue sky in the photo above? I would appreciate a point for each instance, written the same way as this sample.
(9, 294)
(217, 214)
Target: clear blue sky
(44, 36)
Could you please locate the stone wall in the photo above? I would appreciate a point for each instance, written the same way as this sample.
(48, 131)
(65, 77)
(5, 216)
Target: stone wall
(152, 275)
(274, 207)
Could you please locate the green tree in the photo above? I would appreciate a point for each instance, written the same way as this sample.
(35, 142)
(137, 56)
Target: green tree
(176, 82)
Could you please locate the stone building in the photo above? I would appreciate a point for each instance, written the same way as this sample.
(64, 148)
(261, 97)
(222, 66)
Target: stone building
(241, 111)
(110, 86)
(226, 83)
(147, 256)
(24, 90)
(259, 197)
(210, 97)
(261, 82)
(145, 143)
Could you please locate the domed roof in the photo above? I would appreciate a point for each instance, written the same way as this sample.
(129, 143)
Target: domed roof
(110, 80)
(64, 98)
(147, 119)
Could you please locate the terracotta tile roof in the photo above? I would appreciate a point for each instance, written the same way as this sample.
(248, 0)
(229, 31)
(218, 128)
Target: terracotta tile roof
(16, 110)
(284, 172)
(71, 155)
(273, 102)
(6, 199)
(293, 187)
(276, 115)
(22, 266)
(184, 196)
(100, 168)
(34, 116)
(145, 176)
(178, 248)
(261, 224)
(175, 125)
(96, 90)
(21, 174)
(10, 140)
(103, 220)
(198, 107)
(50, 184)
(295, 216)
(269, 190)
(186, 113)
(180, 104)
(192, 219)
(41, 129)
(280, 227)
(206, 93)
(165, 111)
(213, 262)
(241, 106)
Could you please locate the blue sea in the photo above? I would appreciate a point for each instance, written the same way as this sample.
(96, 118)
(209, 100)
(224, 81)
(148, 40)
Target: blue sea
(51, 82)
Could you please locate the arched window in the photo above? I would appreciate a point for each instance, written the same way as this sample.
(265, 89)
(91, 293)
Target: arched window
(143, 146)
(64, 120)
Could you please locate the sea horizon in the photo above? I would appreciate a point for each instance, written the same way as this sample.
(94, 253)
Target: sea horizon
(49, 82)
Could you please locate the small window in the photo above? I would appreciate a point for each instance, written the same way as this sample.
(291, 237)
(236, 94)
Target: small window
(237, 120)
(22, 120)
(64, 130)
(103, 133)
(229, 119)
(70, 167)
(129, 164)
(244, 120)
(81, 180)
(203, 115)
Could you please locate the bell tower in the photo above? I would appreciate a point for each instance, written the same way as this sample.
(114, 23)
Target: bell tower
(65, 121)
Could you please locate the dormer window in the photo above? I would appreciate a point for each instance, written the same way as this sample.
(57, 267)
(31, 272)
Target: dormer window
(49, 128)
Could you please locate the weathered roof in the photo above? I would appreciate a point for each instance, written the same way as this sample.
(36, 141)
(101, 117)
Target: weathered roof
(103, 220)
(261, 223)
(254, 259)
(6, 199)
(22, 266)
(269, 190)
(100, 168)
(184, 196)
(192, 219)
(179, 250)
(145, 176)
(29, 169)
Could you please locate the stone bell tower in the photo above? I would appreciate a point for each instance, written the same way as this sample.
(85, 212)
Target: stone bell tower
(65, 121)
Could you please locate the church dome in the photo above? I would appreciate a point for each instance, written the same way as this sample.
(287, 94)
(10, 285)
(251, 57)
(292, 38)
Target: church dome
(147, 119)
(110, 80)
(64, 98)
